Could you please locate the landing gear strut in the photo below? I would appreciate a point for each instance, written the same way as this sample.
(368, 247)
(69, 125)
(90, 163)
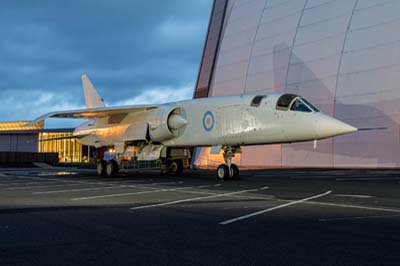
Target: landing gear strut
(228, 170)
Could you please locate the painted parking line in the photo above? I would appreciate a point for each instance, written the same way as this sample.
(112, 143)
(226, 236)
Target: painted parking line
(65, 184)
(75, 190)
(205, 186)
(357, 218)
(243, 217)
(353, 196)
(381, 209)
(58, 179)
(88, 181)
(13, 180)
(368, 179)
(16, 179)
(193, 199)
(243, 197)
(49, 184)
(21, 183)
(42, 187)
(78, 183)
(159, 183)
(7, 178)
(135, 193)
(38, 179)
(311, 177)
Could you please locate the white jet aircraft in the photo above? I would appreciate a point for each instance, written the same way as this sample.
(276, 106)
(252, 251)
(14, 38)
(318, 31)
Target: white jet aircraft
(167, 132)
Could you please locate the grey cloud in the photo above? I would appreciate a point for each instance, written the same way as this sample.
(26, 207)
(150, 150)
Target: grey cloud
(124, 46)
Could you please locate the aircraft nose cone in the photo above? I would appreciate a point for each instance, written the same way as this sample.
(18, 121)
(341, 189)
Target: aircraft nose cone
(329, 127)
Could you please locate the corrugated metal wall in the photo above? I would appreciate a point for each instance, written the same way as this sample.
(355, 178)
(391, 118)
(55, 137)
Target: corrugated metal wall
(343, 55)
(19, 142)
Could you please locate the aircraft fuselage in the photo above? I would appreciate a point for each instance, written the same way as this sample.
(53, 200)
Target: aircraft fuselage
(228, 120)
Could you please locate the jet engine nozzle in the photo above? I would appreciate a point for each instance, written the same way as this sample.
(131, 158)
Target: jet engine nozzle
(168, 123)
(176, 121)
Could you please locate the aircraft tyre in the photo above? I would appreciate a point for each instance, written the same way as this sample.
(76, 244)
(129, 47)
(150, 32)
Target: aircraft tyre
(234, 171)
(101, 168)
(222, 172)
(112, 168)
(176, 167)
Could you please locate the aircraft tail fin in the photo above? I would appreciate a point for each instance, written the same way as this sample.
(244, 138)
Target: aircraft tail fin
(92, 97)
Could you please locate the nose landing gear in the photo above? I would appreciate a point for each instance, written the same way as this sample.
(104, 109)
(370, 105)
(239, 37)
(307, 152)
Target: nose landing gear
(228, 170)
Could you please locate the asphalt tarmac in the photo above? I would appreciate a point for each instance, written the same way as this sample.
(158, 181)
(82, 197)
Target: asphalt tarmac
(268, 217)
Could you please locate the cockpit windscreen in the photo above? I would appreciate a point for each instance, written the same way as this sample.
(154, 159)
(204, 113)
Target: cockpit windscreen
(284, 101)
(299, 106)
(315, 109)
(295, 103)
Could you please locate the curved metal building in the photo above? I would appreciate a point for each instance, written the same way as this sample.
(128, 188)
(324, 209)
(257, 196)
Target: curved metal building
(342, 55)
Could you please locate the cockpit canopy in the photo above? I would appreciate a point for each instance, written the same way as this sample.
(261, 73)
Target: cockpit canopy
(295, 103)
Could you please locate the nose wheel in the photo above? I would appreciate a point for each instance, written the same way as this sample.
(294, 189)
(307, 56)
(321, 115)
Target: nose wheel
(228, 170)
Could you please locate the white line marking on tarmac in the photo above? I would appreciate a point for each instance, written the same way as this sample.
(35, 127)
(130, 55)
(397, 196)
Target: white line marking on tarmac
(356, 218)
(21, 183)
(273, 208)
(311, 177)
(383, 209)
(66, 183)
(41, 187)
(367, 179)
(160, 183)
(216, 185)
(266, 198)
(192, 199)
(198, 192)
(134, 193)
(12, 180)
(79, 183)
(353, 196)
(75, 190)
(16, 177)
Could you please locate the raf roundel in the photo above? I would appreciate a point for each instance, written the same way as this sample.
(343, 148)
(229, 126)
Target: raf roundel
(208, 121)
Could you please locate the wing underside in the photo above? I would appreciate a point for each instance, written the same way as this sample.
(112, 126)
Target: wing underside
(95, 112)
(65, 137)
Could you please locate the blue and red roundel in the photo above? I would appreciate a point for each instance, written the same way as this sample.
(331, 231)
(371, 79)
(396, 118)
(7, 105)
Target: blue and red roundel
(208, 121)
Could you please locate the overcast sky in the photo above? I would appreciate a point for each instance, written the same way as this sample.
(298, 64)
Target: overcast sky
(134, 51)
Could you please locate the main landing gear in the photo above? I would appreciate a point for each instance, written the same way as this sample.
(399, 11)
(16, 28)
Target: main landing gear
(174, 167)
(107, 168)
(228, 170)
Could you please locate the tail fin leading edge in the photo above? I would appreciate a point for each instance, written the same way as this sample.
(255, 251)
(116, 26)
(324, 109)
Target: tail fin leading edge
(92, 98)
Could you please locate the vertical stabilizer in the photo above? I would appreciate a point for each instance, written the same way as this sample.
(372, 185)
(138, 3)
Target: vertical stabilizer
(92, 98)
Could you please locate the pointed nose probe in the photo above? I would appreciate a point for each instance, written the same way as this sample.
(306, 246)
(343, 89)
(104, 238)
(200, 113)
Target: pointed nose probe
(328, 126)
